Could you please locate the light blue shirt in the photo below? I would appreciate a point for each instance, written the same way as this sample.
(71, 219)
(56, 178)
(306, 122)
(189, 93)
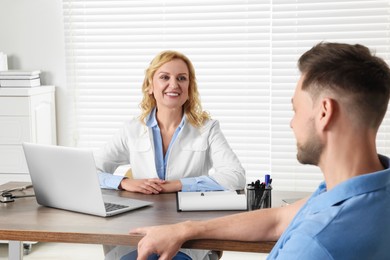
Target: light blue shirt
(161, 160)
(351, 221)
(201, 183)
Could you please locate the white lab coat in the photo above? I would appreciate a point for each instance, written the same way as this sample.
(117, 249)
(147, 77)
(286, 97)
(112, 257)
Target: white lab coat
(195, 152)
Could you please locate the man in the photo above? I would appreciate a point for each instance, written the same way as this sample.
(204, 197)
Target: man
(339, 104)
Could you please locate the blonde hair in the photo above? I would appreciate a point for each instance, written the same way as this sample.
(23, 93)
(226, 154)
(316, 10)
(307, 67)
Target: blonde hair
(192, 107)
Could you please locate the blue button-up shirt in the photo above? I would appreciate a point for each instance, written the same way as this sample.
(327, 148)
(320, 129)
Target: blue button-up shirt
(350, 221)
(201, 183)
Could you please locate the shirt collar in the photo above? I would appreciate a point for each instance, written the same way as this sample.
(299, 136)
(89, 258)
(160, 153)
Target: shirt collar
(151, 120)
(355, 186)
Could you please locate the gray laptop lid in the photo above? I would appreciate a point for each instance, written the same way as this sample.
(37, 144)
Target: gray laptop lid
(66, 178)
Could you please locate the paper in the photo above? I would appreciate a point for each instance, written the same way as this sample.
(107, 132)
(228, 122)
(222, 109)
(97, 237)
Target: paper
(212, 200)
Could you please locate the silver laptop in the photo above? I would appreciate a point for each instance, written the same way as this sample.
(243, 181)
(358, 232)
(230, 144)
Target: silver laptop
(66, 178)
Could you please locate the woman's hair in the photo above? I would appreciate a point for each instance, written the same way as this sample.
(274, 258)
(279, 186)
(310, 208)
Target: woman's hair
(353, 74)
(192, 107)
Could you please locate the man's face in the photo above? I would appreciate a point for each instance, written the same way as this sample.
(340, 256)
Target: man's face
(309, 144)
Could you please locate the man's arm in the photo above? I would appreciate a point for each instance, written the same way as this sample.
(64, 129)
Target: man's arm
(258, 225)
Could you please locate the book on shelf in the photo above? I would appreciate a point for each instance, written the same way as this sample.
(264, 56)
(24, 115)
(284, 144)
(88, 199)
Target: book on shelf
(20, 78)
(26, 73)
(20, 83)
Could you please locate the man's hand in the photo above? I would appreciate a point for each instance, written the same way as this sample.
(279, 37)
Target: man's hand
(145, 186)
(164, 241)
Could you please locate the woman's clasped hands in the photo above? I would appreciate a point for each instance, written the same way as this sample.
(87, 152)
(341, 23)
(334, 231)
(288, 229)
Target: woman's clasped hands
(150, 186)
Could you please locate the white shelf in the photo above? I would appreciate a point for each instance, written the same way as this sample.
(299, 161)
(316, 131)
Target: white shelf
(26, 115)
(25, 92)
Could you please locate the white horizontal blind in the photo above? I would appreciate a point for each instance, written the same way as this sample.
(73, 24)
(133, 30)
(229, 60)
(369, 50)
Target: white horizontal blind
(244, 53)
(296, 27)
(110, 43)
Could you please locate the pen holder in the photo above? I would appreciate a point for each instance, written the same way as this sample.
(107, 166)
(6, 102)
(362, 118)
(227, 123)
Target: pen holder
(250, 197)
(258, 196)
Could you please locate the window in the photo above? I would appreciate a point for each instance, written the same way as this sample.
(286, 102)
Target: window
(244, 53)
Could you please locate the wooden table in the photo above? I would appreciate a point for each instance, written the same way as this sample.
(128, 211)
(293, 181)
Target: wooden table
(25, 220)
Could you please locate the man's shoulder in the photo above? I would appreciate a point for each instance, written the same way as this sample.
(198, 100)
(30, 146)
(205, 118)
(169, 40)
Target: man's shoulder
(355, 224)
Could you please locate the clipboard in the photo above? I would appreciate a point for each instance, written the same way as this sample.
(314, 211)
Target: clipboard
(210, 201)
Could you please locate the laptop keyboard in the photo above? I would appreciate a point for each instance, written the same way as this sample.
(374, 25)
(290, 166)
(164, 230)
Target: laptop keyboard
(111, 206)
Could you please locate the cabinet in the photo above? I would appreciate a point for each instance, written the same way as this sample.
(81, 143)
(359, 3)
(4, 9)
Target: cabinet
(26, 115)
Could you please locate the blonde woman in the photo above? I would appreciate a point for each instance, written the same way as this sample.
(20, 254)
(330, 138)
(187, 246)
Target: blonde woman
(173, 145)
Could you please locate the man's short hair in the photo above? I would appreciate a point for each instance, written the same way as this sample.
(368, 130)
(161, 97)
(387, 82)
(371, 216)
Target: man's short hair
(352, 73)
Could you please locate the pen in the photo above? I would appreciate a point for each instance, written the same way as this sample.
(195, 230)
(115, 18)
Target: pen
(262, 200)
(259, 195)
(267, 180)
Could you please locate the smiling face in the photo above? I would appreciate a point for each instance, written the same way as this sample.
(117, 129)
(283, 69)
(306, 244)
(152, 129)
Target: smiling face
(170, 84)
(309, 144)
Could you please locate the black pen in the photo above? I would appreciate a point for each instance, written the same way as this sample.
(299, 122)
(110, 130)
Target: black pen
(262, 201)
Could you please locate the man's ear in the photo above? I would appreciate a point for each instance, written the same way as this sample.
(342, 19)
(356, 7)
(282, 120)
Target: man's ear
(326, 112)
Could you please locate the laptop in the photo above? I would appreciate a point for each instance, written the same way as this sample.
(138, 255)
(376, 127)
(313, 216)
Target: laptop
(66, 178)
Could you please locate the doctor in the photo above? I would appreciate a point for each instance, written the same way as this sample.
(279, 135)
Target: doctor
(174, 145)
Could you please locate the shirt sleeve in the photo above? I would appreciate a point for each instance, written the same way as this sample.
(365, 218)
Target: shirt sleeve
(202, 183)
(302, 247)
(227, 169)
(114, 153)
(109, 181)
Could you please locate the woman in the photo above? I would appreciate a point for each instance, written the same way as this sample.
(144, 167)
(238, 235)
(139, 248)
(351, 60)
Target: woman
(173, 145)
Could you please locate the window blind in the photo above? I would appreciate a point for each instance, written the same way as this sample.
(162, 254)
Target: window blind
(244, 53)
(296, 27)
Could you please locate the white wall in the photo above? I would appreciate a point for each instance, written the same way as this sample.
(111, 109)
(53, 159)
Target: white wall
(32, 35)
